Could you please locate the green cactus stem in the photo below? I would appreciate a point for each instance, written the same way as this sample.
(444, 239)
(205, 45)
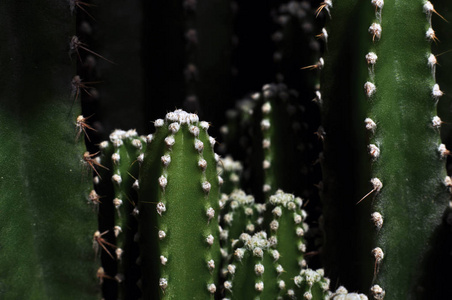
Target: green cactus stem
(408, 184)
(252, 273)
(288, 228)
(240, 214)
(123, 155)
(178, 209)
(46, 220)
(279, 139)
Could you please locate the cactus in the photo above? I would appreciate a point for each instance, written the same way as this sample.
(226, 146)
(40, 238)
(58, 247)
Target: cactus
(178, 209)
(121, 155)
(288, 229)
(239, 214)
(47, 221)
(384, 220)
(399, 104)
(253, 272)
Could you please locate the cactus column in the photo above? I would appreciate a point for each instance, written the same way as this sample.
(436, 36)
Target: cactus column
(408, 174)
(178, 210)
(46, 222)
(411, 165)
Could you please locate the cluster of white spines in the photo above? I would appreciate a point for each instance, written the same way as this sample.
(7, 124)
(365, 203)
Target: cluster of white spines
(285, 203)
(325, 5)
(342, 294)
(239, 203)
(432, 61)
(181, 117)
(269, 91)
(371, 58)
(370, 89)
(257, 246)
(286, 200)
(309, 278)
(377, 292)
(231, 168)
(241, 199)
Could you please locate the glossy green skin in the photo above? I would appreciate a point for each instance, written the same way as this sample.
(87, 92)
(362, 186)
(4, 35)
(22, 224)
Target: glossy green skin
(413, 197)
(409, 166)
(185, 221)
(46, 223)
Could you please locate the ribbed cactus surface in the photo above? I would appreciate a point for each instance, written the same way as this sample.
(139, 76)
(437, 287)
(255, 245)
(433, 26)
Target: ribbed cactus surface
(394, 80)
(178, 210)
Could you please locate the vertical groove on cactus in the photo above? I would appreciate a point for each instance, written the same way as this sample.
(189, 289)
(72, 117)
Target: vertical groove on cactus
(47, 221)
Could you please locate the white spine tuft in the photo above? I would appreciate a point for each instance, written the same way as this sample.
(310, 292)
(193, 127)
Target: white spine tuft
(370, 124)
(377, 184)
(161, 208)
(162, 234)
(374, 151)
(436, 122)
(163, 182)
(370, 89)
(375, 30)
(436, 92)
(377, 219)
(371, 58)
(166, 159)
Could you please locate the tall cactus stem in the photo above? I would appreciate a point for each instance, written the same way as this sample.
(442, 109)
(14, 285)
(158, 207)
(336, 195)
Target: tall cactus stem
(179, 193)
(46, 220)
